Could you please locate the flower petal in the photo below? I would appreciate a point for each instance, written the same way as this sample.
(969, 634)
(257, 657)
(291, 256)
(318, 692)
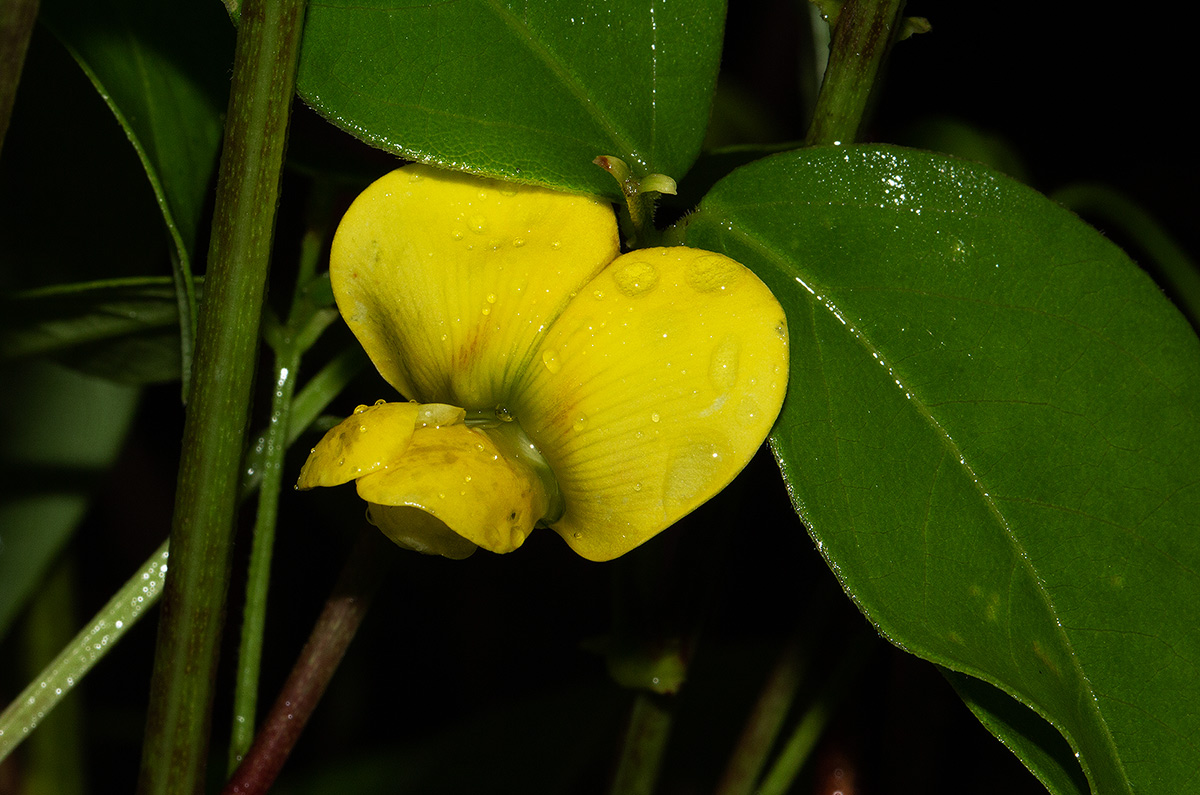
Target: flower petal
(371, 438)
(449, 280)
(653, 390)
(412, 528)
(459, 475)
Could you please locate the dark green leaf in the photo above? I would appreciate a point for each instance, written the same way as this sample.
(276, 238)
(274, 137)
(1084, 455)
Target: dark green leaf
(125, 330)
(531, 92)
(1031, 738)
(163, 69)
(60, 432)
(992, 431)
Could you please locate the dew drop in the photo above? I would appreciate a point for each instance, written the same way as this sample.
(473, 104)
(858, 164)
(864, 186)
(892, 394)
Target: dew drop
(380, 402)
(722, 367)
(518, 242)
(491, 298)
(362, 428)
(555, 245)
(414, 177)
(636, 278)
(487, 310)
(360, 409)
(503, 414)
(637, 486)
(478, 224)
(579, 424)
(691, 472)
(712, 273)
(577, 535)
(341, 462)
(458, 234)
(550, 359)
(654, 417)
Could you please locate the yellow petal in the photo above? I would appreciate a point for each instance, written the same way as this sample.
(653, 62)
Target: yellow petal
(371, 438)
(654, 389)
(421, 532)
(449, 280)
(463, 478)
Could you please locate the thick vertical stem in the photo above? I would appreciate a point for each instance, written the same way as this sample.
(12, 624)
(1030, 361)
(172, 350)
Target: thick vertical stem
(861, 38)
(177, 732)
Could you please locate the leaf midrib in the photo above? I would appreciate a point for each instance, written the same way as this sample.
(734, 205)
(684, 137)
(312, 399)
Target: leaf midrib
(734, 228)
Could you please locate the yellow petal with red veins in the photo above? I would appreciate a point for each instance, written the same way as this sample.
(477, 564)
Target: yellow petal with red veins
(652, 391)
(449, 280)
(460, 476)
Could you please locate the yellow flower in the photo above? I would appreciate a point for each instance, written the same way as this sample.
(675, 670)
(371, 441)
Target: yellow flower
(560, 382)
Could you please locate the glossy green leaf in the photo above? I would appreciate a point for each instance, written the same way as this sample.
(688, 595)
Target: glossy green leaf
(1030, 737)
(163, 70)
(125, 330)
(992, 431)
(526, 91)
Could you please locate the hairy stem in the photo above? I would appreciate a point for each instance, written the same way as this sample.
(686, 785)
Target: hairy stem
(861, 38)
(181, 689)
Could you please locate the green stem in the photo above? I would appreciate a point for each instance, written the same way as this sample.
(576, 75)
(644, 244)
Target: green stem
(16, 26)
(54, 755)
(75, 660)
(254, 615)
(645, 743)
(181, 688)
(335, 628)
(305, 322)
(803, 739)
(861, 38)
(765, 721)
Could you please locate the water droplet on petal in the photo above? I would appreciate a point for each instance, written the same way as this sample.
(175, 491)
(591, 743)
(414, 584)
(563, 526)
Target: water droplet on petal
(491, 298)
(555, 245)
(518, 242)
(691, 471)
(636, 278)
(637, 486)
(362, 428)
(713, 272)
(579, 424)
(654, 417)
(722, 367)
(550, 359)
(478, 224)
(359, 409)
(458, 234)
(380, 402)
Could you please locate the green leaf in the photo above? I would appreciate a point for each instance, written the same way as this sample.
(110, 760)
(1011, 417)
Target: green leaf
(992, 432)
(1034, 740)
(530, 92)
(125, 330)
(61, 431)
(163, 70)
